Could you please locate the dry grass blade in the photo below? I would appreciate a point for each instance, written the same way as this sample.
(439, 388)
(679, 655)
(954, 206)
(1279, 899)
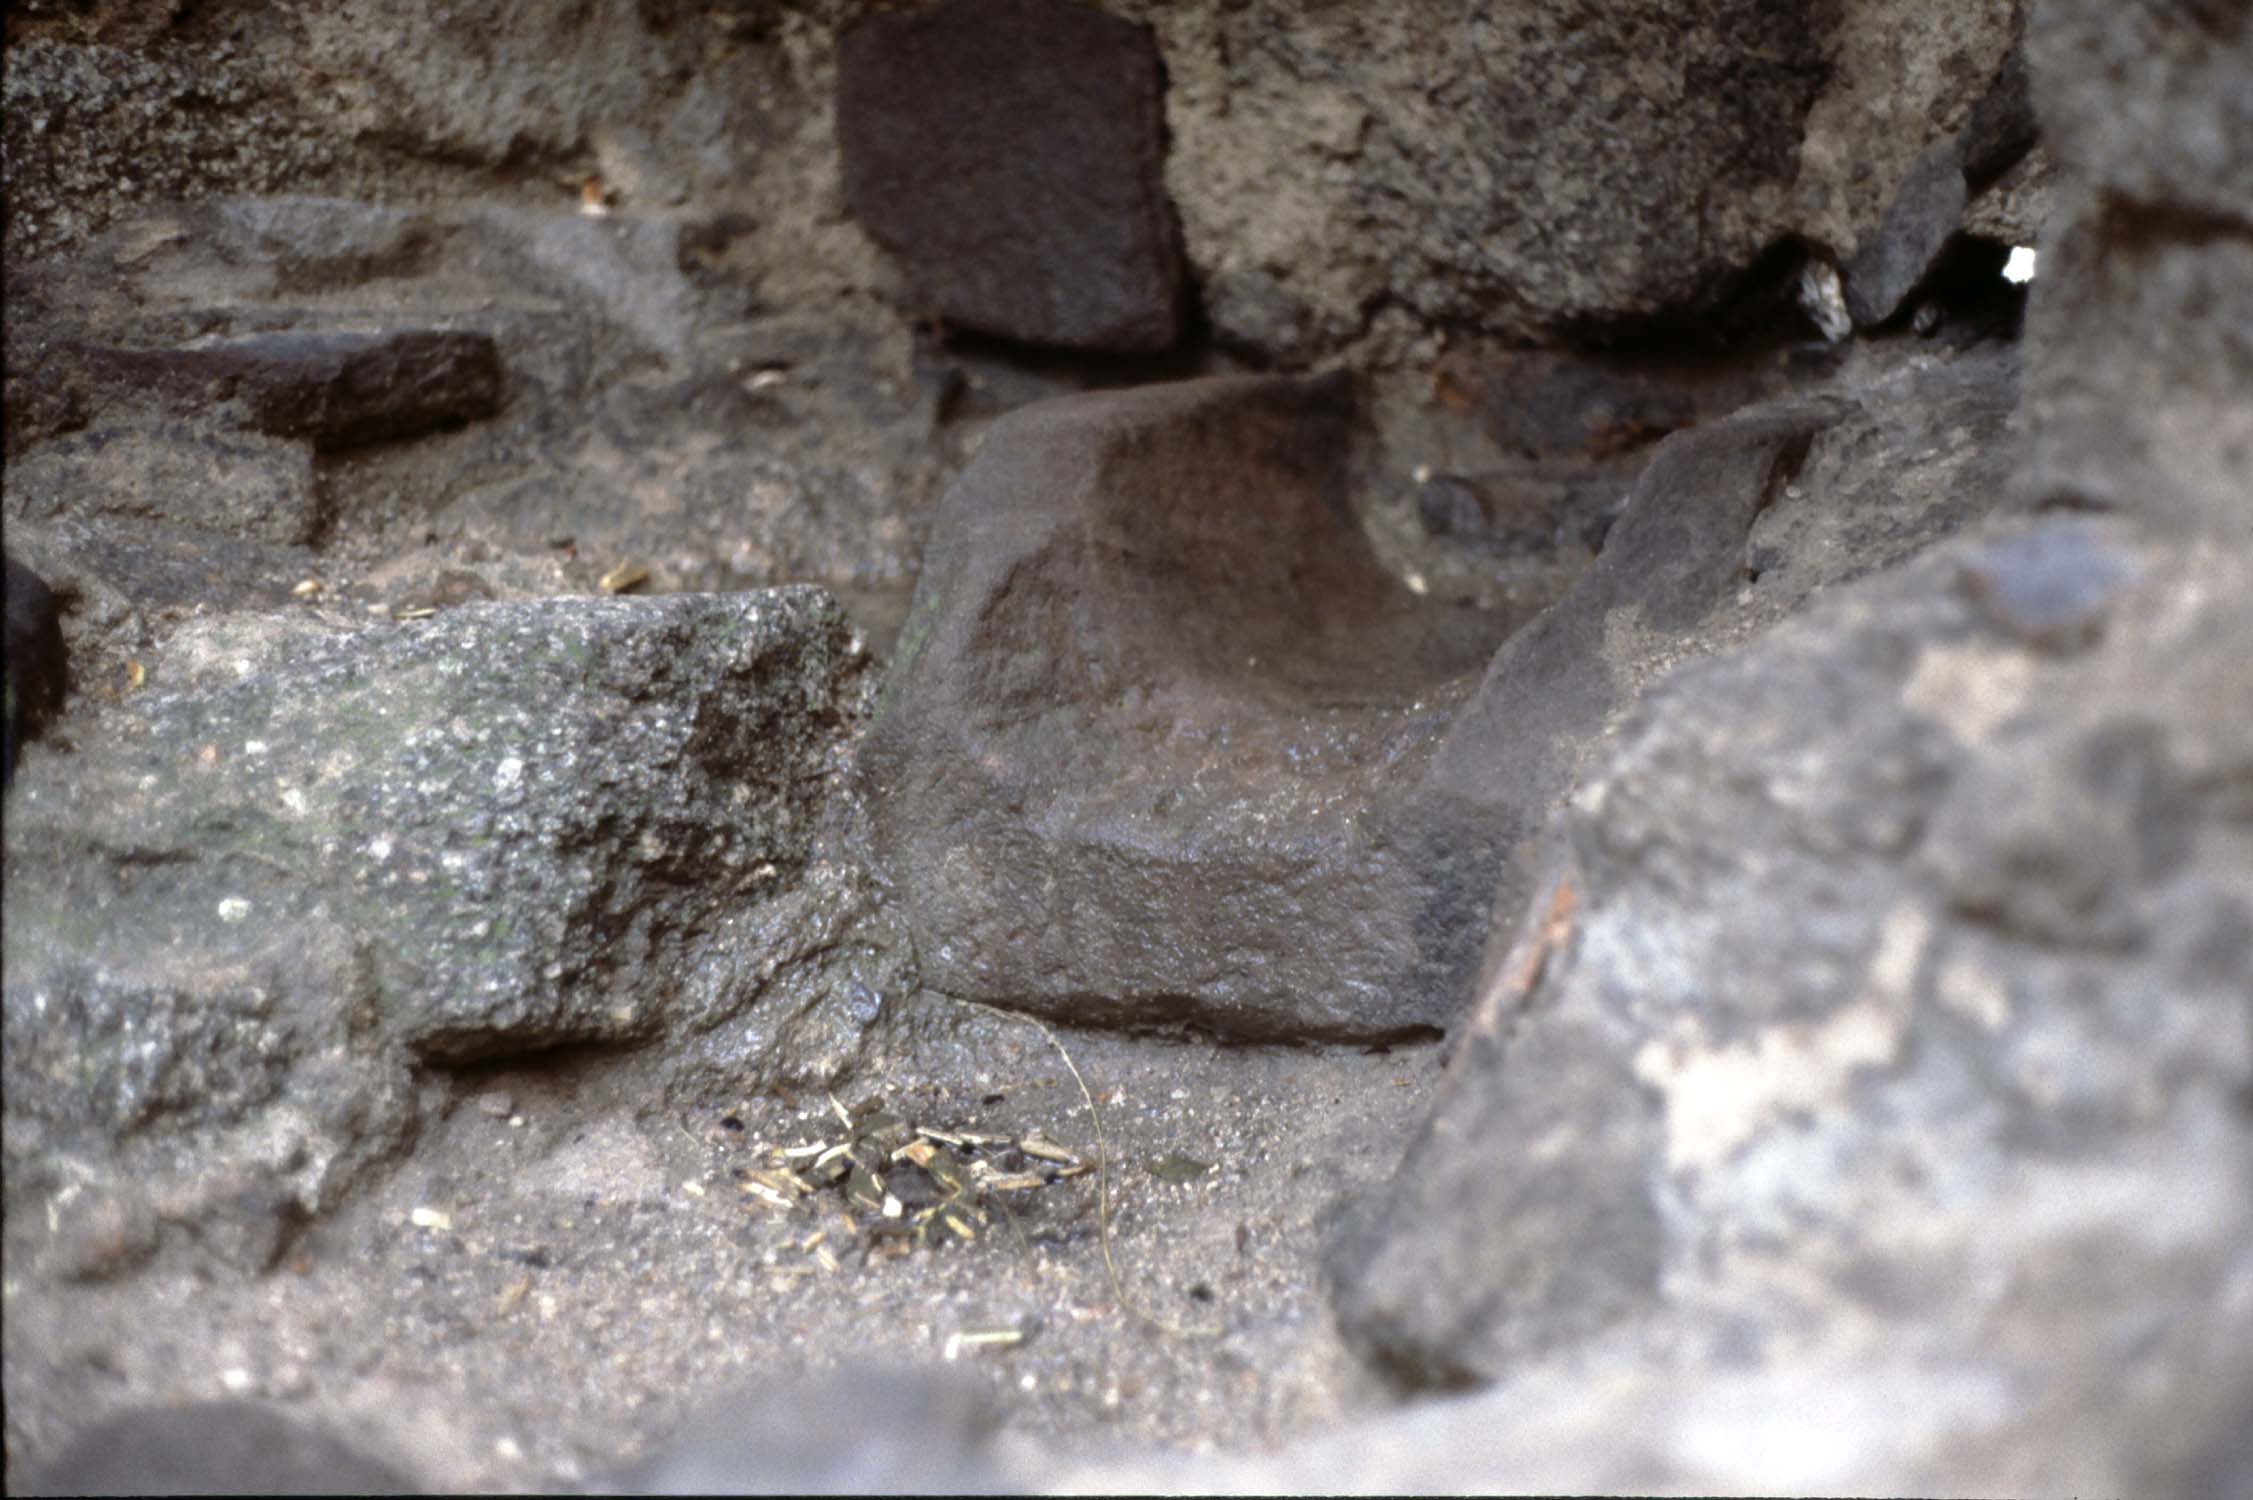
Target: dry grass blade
(1102, 1183)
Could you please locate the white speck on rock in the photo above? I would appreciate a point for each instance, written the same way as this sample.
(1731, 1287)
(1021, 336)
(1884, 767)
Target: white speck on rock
(379, 848)
(508, 773)
(233, 909)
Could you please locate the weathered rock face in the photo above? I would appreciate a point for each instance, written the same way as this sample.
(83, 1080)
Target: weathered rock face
(1872, 1060)
(2146, 283)
(1937, 199)
(1894, 976)
(1540, 171)
(1154, 709)
(309, 855)
(1010, 153)
(1901, 963)
(1344, 176)
(236, 484)
(536, 401)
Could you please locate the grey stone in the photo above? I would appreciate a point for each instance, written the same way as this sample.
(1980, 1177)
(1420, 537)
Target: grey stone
(241, 484)
(2146, 273)
(1549, 403)
(1924, 215)
(312, 855)
(1540, 174)
(1477, 1259)
(128, 579)
(1909, 964)
(1010, 153)
(1931, 447)
(91, 126)
(2002, 127)
(449, 790)
(212, 1448)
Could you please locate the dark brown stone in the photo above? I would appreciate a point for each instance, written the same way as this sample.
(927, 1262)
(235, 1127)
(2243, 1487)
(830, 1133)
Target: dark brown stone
(1154, 719)
(1011, 154)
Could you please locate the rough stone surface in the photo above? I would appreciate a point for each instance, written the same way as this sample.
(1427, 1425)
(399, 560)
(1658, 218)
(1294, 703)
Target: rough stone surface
(2002, 127)
(91, 125)
(1153, 709)
(1076, 769)
(1941, 1257)
(653, 413)
(1555, 403)
(1542, 171)
(1984, 1109)
(1344, 177)
(1931, 446)
(212, 1448)
(128, 582)
(2146, 278)
(308, 856)
(1010, 153)
(242, 485)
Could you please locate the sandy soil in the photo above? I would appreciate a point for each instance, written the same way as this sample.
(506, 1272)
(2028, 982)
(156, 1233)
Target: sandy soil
(588, 1269)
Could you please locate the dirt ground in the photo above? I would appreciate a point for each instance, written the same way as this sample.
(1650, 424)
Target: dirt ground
(568, 1272)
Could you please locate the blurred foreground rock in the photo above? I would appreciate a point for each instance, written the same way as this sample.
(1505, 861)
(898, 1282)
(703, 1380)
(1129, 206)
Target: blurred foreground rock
(211, 1448)
(2144, 303)
(861, 1431)
(1874, 1057)
(1889, 994)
